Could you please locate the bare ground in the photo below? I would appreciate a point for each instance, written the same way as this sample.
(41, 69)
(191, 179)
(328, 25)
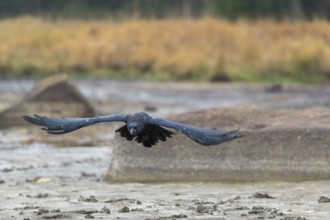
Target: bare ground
(40, 181)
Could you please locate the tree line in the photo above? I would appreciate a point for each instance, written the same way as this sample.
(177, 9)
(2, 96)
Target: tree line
(228, 9)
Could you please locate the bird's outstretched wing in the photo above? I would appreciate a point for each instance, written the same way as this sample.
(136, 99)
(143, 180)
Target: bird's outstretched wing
(66, 125)
(202, 136)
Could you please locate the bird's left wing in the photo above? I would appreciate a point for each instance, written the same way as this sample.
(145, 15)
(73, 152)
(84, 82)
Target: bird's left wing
(202, 136)
(66, 125)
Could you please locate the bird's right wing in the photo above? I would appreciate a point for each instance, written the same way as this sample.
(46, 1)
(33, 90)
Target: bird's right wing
(202, 136)
(66, 125)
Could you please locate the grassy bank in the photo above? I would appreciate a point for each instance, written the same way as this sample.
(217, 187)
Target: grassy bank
(206, 49)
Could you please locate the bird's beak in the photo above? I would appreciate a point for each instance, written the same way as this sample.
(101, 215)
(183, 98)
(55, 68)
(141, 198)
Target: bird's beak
(132, 131)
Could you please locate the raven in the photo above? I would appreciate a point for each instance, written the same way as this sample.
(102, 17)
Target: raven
(139, 126)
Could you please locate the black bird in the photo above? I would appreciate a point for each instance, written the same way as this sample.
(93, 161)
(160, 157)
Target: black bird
(139, 126)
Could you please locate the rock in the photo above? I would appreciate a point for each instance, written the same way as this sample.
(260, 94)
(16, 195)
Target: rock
(202, 209)
(53, 96)
(178, 216)
(87, 211)
(88, 199)
(274, 88)
(259, 195)
(42, 211)
(323, 199)
(89, 216)
(105, 210)
(55, 216)
(290, 145)
(124, 209)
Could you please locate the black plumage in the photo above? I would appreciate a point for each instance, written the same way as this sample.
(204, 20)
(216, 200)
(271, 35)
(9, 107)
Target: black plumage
(140, 126)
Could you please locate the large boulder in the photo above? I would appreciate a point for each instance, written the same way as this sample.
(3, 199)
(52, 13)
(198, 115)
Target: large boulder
(53, 96)
(286, 145)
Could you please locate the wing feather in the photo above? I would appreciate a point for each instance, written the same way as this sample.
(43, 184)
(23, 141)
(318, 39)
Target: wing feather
(202, 136)
(66, 125)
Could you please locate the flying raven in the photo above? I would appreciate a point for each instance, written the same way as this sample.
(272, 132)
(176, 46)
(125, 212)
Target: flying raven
(139, 126)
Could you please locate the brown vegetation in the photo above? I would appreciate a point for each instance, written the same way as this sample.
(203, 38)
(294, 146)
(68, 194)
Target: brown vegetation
(206, 49)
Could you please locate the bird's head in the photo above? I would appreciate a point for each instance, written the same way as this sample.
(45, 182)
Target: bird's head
(134, 128)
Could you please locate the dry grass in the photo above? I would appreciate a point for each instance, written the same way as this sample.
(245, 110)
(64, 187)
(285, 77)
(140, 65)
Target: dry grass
(203, 49)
